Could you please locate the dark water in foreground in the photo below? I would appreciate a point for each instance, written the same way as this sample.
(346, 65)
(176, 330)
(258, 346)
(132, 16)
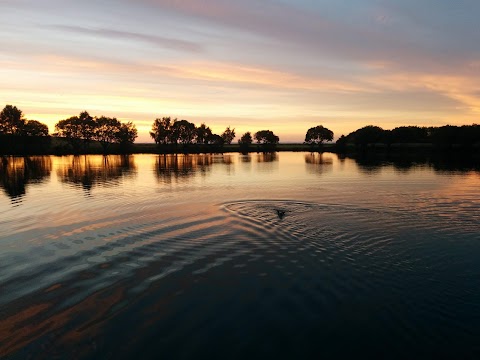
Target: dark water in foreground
(290, 255)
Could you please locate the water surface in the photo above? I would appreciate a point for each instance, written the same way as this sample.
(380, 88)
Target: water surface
(285, 255)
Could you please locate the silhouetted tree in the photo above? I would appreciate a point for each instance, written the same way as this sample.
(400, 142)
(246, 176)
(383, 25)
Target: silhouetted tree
(266, 137)
(470, 135)
(245, 141)
(446, 136)
(21, 136)
(367, 135)
(215, 139)
(267, 140)
(183, 131)
(87, 129)
(105, 131)
(246, 138)
(11, 120)
(161, 130)
(341, 143)
(408, 134)
(70, 129)
(78, 130)
(317, 135)
(126, 135)
(34, 128)
(203, 132)
(228, 135)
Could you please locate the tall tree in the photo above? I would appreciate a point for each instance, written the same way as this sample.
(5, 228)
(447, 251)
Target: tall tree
(70, 129)
(369, 134)
(161, 130)
(127, 133)
(34, 128)
(216, 140)
(11, 120)
(203, 132)
(78, 130)
(183, 131)
(228, 135)
(105, 131)
(408, 134)
(87, 128)
(318, 134)
(246, 139)
(266, 137)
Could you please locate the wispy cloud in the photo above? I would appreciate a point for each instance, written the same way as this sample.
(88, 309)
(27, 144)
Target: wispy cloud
(392, 62)
(160, 41)
(408, 34)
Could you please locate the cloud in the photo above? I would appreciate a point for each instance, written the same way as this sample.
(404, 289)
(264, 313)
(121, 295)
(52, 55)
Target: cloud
(164, 42)
(409, 35)
(318, 59)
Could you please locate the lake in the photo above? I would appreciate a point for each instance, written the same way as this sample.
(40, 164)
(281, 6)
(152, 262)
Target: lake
(284, 255)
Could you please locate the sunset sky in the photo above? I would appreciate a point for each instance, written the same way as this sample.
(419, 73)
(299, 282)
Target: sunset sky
(282, 65)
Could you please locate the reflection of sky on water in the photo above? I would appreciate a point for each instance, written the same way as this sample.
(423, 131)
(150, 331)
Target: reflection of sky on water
(158, 234)
(282, 174)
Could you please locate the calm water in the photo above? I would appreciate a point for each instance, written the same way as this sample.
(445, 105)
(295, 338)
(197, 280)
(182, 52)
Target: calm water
(288, 255)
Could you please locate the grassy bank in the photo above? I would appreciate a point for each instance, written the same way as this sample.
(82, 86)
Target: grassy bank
(59, 146)
(153, 148)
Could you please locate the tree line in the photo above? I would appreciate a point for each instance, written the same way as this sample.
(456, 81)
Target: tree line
(12, 122)
(443, 137)
(18, 134)
(168, 133)
(81, 130)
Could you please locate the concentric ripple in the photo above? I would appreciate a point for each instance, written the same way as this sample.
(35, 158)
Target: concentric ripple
(183, 266)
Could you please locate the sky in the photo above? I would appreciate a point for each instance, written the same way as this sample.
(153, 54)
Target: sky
(281, 65)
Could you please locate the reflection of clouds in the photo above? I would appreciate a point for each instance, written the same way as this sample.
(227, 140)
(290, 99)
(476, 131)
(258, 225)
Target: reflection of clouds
(17, 172)
(318, 162)
(88, 171)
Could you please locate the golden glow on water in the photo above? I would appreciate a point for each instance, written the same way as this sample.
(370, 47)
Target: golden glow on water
(88, 243)
(242, 175)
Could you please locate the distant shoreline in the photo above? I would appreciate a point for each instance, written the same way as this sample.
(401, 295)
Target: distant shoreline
(152, 148)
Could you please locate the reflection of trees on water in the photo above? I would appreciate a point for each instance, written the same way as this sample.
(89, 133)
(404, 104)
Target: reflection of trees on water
(227, 160)
(245, 158)
(267, 157)
(223, 159)
(17, 172)
(457, 164)
(370, 165)
(318, 162)
(88, 171)
(405, 162)
(184, 166)
(180, 166)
